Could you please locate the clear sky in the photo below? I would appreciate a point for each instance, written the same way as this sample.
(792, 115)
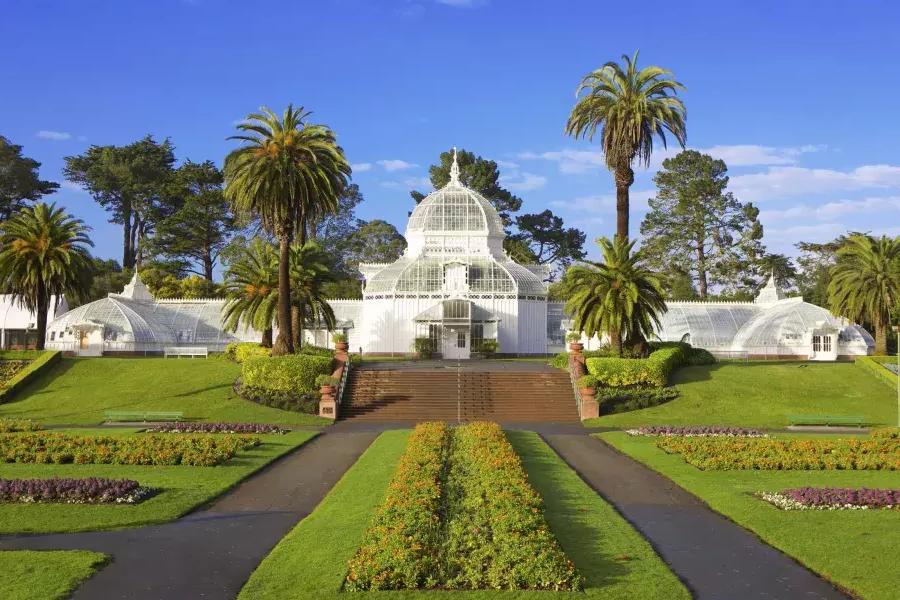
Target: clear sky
(798, 97)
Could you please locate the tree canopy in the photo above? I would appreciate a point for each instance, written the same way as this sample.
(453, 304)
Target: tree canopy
(547, 240)
(20, 183)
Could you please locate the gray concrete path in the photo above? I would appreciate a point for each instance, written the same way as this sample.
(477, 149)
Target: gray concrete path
(211, 553)
(715, 558)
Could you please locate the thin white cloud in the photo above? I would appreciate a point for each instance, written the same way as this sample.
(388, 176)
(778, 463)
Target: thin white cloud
(569, 160)
(361, 167)
(524, 182)
(56, 136)
(396, 164)
(605, 202)
(461, 3)
(422, 184)
(786, 182)
(507, 164)
(73, 187)
(835, 209)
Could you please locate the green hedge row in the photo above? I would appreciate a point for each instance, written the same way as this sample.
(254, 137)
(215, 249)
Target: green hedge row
(877, 369)
(295, 373)
(241, 351)
(40, 364)
(652, 371)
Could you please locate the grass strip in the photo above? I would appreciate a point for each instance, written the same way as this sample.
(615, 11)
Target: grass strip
(45, 575)
(854, 548)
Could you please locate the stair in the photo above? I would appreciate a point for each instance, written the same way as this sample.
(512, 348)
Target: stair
(431, 395)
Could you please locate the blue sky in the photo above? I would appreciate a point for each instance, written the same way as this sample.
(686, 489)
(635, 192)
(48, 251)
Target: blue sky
(798, 97)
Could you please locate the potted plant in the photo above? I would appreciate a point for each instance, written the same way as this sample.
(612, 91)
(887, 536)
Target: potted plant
(326, 384)
(574, 339)
(424, 347)
(587, 387)
(340, 342)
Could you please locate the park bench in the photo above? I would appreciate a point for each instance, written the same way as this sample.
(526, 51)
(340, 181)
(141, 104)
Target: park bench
(142, 415)
(191, 351)
(827, 420)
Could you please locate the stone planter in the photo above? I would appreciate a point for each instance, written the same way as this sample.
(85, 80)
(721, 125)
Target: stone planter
(576, 347)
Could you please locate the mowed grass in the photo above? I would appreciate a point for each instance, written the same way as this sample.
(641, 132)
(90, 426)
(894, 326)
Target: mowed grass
(617, 563)
(45, 575)
(765, 395)
(77, 391)
(181, 489)
(855, 549)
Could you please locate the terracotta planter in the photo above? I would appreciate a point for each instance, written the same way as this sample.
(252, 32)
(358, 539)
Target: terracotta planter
(587, 393)
(576, 347)
(327, 390)
(341, 346)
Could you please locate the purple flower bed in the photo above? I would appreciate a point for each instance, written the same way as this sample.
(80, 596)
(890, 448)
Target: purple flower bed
(810, 498)
(90, 490)
(696, 431)
(258, 428)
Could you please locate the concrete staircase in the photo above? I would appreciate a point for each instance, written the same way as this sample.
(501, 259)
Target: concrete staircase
(431, 395)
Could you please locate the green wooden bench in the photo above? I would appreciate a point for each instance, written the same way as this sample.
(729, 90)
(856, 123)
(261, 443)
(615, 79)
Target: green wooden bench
(827, 420)
(142, 415)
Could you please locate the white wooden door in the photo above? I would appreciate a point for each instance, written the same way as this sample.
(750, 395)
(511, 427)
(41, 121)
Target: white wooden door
(455, 344)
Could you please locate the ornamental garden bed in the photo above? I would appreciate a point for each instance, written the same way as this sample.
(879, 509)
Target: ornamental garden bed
(878, 452)
(460, 514)
(88, 490)
(695, 431)
(814, 498)
(234, 428)
(17, 425)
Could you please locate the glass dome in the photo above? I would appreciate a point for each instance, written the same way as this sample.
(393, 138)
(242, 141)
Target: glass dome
(455, 209)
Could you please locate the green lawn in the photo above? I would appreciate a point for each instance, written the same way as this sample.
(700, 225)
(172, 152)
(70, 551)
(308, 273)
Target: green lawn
(855, 549)
(311, 561)
(45, 575)
(181, 489)
(77, 391)
(764, 395)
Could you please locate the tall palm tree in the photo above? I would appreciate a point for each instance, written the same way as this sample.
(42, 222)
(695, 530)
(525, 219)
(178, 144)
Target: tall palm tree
(629, 106)
(44, 253)
(619, 296)
(286, 171)
(252, 289)
(310, 271)
(865, 282)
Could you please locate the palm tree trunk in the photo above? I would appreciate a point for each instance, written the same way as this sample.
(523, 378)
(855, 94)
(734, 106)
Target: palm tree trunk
(296, 328)
(624, 177)
(266, 338)
(880, 338)
(43, 304)
(615, 340)
(284, 342)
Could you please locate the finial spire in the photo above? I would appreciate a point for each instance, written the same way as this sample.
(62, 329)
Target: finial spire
(454, 170)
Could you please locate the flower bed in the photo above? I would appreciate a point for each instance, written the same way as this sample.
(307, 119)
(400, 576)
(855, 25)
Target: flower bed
(151, 449)
(695, 431)
(16, 425)
(460, 514)
(241, 428)
(809, 498)
(400, 548)
(90, 490)
(878, 452)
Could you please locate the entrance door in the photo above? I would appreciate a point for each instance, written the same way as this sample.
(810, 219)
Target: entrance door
(456, 344)
(83, 340)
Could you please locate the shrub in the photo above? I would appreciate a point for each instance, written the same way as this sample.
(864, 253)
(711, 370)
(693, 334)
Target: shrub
(485, 346)
(236, 428)
(339, 338)
(311, 350)
(425, 347)
(617, 400)
(587, 381)
(39, 365)
(307, 403)
(560, 361)
(573, 336)
(149, 449)
(90, 490)
(241, 351)
(15, 425)
(293, 373)
(718, 453)
(627, 372)
(323, 380)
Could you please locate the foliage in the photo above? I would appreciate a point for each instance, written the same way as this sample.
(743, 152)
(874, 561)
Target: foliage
(401, 547)
(629, 107)
(560, 361)
(241, 351)
(133, 183)
(288, 173)
(786, 454)
(696, 431)
(548, 241)
(814, 498)
(373, 241)
(573, 336)
(865, 283)
(36, 367)
(198, 231)
(151, 449)
(90, 490)
(618, 400)
(782, 267)
(310, 271)
(252, 288)
(877, 369)
(44, 254)
(485, 346)
(20, 183)
(294, 373)
(323, 380)
(9, 368)
(316, 350)
(697, 229)
(339, 338)
(425, 346)
(236, 428)
(619, 297)
(15, 425)
(588, 381)
(627, 372)
(163, 285)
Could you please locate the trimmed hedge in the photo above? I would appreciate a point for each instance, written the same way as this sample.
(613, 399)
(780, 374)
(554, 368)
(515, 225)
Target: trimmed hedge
(295, 373)
(877, 369)
(311, 350)
(652, 371)
(617, 400)
(40, 364)
(241, 351)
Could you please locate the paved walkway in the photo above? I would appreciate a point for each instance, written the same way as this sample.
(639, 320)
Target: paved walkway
(715, 558)
(211, 553)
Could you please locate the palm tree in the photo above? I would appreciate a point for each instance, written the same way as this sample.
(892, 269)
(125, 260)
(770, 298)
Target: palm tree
(629, 107)
(286, 171)
(865, 282)
(252, 289)
(310, 271)
(618, 297)
(44, 253)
